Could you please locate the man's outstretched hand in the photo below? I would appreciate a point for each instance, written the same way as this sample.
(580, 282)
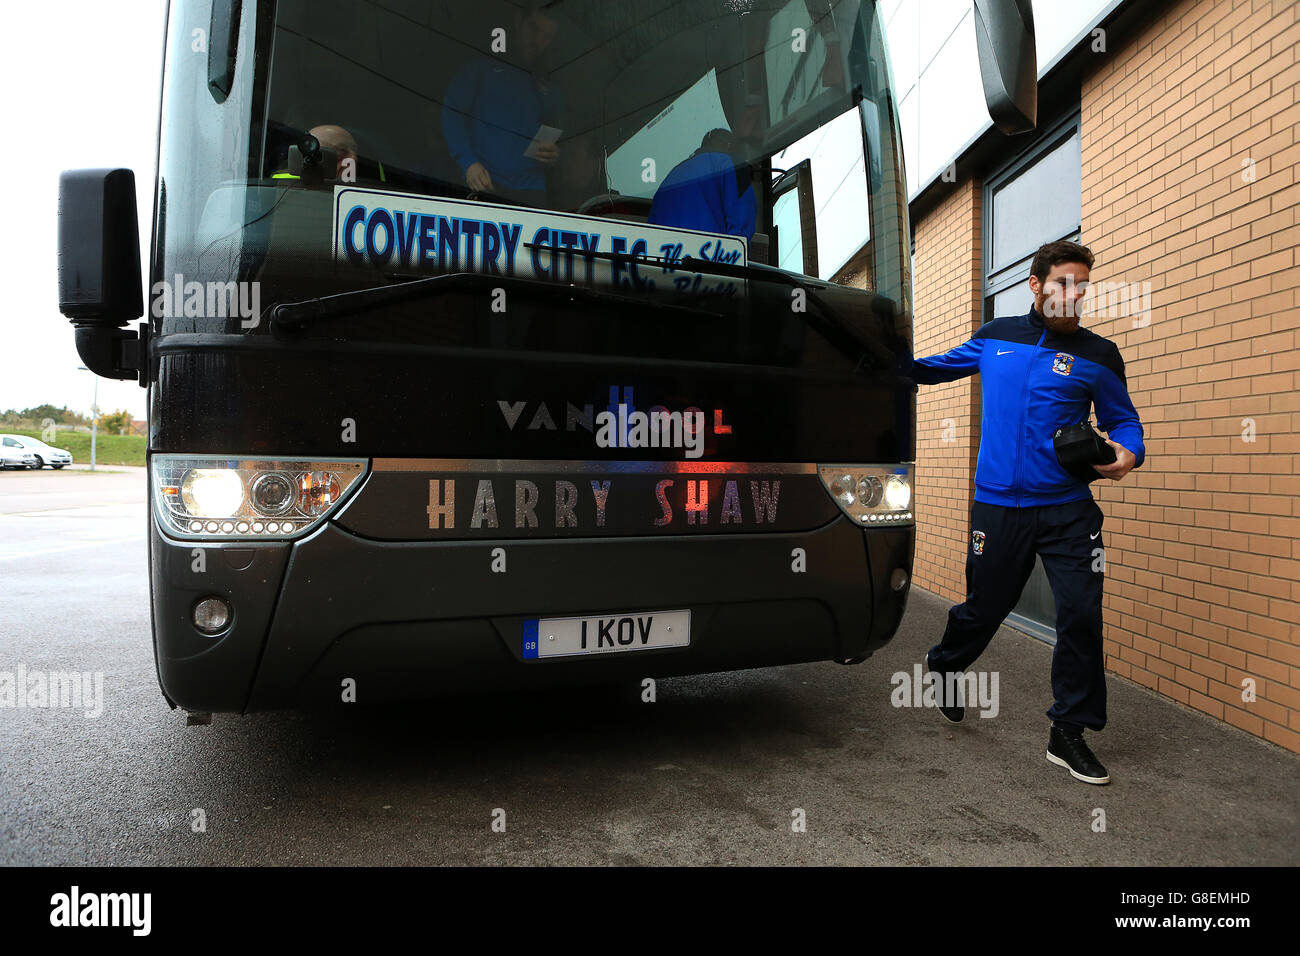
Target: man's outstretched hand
(1121, 466)
(478, 179)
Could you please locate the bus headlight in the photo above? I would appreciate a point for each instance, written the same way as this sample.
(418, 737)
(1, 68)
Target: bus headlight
(898, 493)
(211, 492)
(869, 491)
(203, 497)
(871, 494)
(273, 493)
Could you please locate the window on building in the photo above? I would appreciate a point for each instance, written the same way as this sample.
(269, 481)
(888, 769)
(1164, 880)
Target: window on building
(1035, 199)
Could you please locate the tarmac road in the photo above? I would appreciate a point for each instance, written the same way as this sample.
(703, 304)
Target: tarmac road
(714, 772)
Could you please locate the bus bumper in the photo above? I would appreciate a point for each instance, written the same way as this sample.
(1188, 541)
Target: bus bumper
(410, 620)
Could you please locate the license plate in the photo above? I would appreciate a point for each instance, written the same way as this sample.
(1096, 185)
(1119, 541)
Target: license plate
(606, 634)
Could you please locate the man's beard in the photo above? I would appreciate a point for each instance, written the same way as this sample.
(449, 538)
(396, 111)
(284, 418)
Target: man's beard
(1058, 320)
(1063, 324)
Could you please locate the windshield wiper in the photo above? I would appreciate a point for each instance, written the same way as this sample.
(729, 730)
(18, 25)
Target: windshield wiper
(291, 318)
(288, 318)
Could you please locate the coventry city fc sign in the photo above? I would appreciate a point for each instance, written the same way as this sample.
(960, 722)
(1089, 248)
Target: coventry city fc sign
(400, 232)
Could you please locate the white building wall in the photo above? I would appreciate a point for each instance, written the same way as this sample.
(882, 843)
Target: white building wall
(936, 72)
(935, 68)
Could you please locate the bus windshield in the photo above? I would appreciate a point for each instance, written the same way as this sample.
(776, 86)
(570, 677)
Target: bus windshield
(336, 146)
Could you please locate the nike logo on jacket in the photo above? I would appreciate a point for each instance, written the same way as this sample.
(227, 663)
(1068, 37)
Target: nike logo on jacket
(1030, 392)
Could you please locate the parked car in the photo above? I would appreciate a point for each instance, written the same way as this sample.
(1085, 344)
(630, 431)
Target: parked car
(15, 457)
(42, 453)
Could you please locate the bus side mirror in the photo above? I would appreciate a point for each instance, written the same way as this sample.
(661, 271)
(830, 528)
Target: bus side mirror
(1004, 36)
(99, 268)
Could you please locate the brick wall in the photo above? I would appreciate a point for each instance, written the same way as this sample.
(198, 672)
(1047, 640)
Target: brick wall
(947, 308)
(1190, 164)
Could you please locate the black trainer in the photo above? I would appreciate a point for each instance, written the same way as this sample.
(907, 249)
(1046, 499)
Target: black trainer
(956, 712)
(1066, 748)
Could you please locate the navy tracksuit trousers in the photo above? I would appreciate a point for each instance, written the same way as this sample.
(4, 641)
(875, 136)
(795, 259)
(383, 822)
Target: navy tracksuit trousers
(999, 559)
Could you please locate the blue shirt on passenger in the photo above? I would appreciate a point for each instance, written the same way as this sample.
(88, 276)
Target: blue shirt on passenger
(491, 112)
(701, 193)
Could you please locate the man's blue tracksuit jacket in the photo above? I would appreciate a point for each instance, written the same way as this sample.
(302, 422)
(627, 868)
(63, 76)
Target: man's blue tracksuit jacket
(1033, 382)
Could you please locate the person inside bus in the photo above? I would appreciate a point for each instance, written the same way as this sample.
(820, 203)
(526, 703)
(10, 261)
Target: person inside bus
(494, 108)
(344, 146)
(709, 191)
(342, 142)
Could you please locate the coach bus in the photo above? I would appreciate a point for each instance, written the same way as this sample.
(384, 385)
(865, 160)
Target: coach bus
(489, 345)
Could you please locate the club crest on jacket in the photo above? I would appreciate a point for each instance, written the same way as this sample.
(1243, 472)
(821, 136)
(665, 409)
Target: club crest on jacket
(1061, 364)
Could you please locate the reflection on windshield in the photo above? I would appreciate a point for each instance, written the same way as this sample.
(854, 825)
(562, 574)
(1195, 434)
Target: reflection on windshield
(668, 137)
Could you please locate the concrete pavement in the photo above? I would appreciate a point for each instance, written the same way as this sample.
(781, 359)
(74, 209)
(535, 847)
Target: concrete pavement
(715, 771)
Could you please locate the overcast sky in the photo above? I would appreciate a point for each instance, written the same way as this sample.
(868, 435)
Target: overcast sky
(80, 81)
